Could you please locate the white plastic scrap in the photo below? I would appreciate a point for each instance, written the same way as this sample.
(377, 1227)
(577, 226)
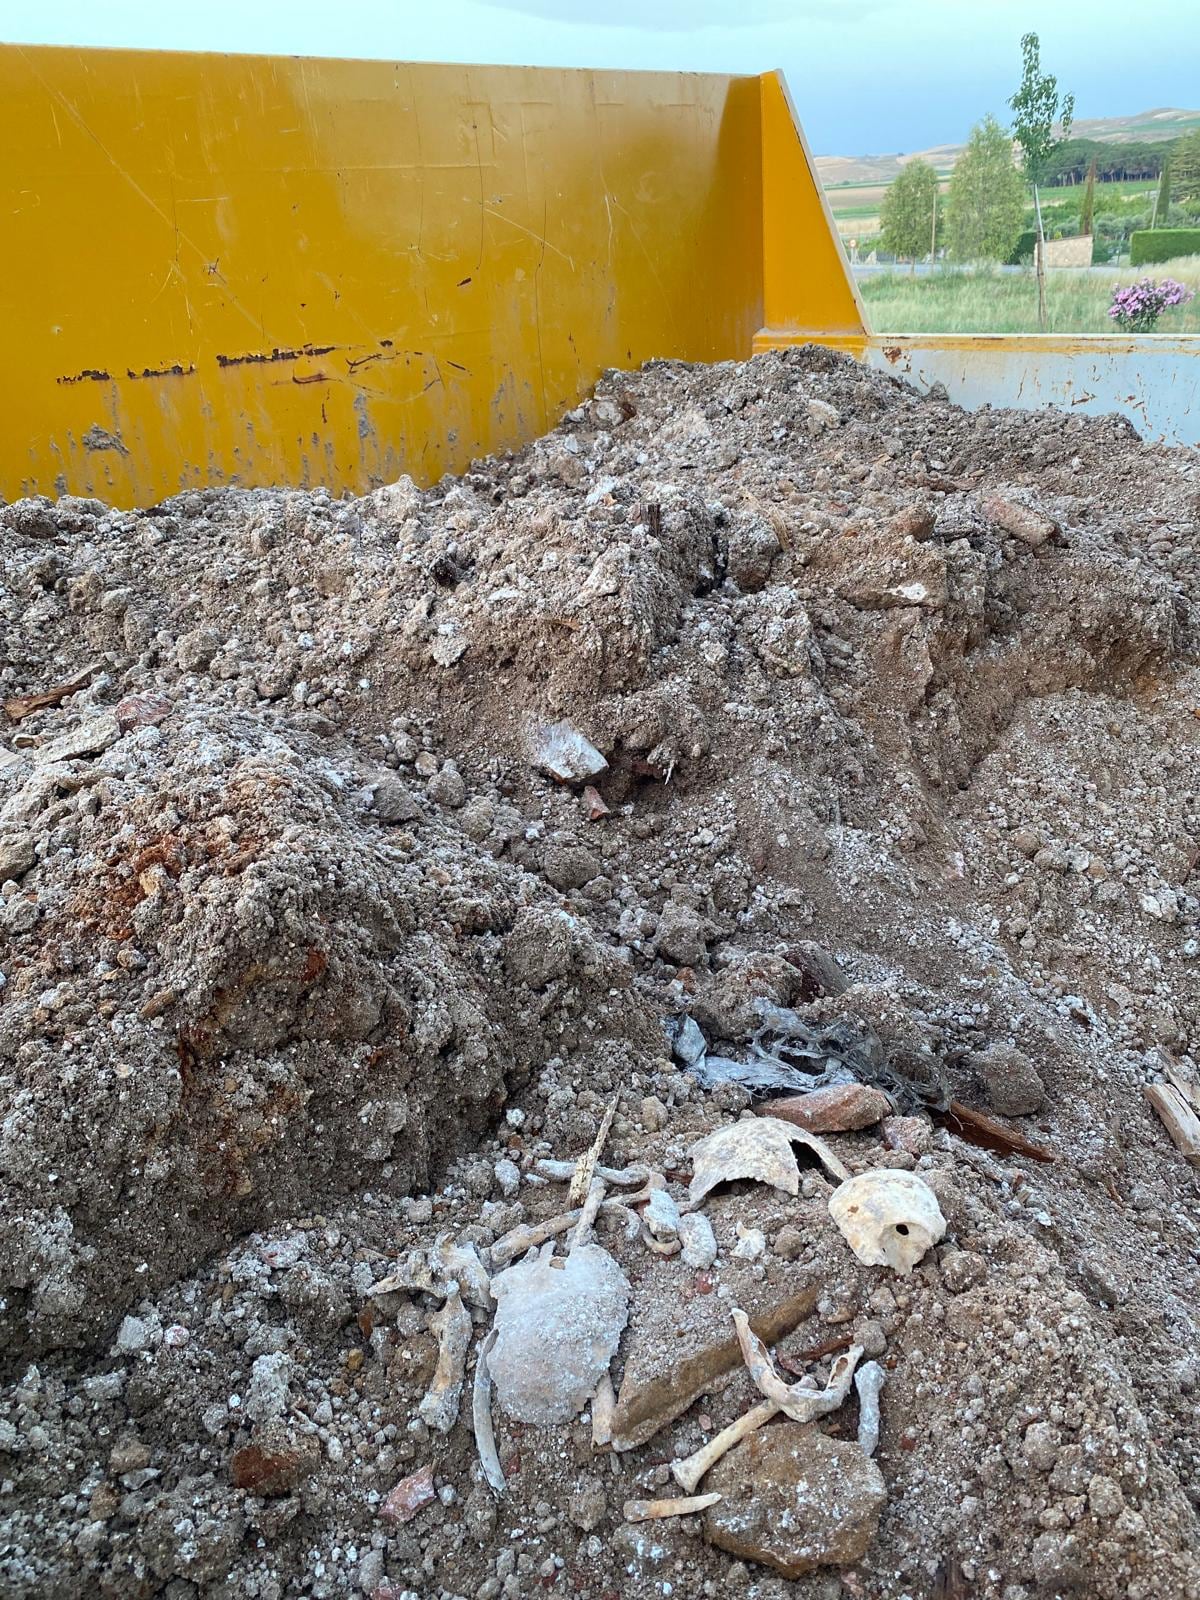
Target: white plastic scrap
(558, 1324)
(758, 1148)
(888, 1217)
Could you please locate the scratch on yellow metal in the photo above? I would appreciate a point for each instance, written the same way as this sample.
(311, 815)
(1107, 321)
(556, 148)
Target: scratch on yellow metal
(263, 270)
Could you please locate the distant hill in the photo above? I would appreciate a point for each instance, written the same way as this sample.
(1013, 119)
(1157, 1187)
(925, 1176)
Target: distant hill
(1162, 123)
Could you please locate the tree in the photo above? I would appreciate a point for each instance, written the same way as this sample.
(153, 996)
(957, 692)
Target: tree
(906, 215)
(986, 206)
(1185, 168)
(1036, 108)
(1162, 204)
(1087, 206)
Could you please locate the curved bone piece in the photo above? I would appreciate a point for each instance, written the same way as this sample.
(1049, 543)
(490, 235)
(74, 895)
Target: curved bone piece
(888, 1217)
(795, 1400)
(452, 1324)
(758, 1148)
(481, 1416)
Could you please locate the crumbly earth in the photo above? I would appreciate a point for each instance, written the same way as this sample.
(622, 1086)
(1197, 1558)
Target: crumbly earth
(306, 964)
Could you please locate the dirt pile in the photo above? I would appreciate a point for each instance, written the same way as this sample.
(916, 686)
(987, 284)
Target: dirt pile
(308, 964)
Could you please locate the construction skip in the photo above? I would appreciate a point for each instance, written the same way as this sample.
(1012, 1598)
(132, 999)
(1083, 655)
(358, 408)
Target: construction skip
(250, 270)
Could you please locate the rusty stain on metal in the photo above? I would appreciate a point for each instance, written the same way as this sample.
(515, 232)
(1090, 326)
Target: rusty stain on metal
(261, 357)
(177, 370)
(88, 375)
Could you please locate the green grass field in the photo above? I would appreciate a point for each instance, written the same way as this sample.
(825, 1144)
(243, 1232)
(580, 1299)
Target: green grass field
(979, 301)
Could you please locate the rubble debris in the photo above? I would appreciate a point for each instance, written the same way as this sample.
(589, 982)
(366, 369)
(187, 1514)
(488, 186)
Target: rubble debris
(409, 1496)
(868, 1381)
(91, 737)
(650, 1510)
(835, 1109)
(687, 1042)
(759, 1148)
(557, 1328)
(794, 1500)
(888, 1217)
(452, 1325)
(563, 752)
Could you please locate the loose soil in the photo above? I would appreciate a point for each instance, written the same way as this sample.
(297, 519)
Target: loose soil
(306, 965)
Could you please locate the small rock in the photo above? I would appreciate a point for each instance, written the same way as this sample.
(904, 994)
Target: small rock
(16, 855)
(276, 1463)
(698, 1240)
(752, 549)
(871, 1337)
(911, 1134)
(508, 1176)
(789, 1243)
(682, 935)
(90, 738)
(409, 1496)
(563, 752)
(836, 1109)
(426, 764)
(447, 787)
(569, 866)
(654, 1114)
(1040, 1446)
(594, 807)
(795, 1500)
(195, 650)
(1104, 1496)
(391, 801)
(142, 711)
(588, 1504)
(822, 415)
(1010, 1080)
(963, 1270)
(134, 1334)
(913, 522)
(751, 1243)
(128, 1455)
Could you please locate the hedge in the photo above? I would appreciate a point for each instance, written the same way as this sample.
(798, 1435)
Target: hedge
(1023, 249)
(1162, 244)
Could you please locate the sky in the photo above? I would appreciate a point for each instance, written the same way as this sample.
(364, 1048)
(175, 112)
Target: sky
(867, 76)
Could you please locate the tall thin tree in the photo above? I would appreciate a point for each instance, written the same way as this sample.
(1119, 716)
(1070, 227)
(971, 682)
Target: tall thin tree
(1036, 108)
(1087, 206)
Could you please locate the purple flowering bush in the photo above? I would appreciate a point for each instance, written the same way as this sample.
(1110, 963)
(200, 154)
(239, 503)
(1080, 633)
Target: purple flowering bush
(1137, 308)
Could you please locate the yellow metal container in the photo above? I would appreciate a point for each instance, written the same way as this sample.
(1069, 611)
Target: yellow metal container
(235, 269)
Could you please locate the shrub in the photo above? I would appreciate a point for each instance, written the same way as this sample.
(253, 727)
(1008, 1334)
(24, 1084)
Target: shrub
(1138, 307)
(1163, 244)
(1023, 249)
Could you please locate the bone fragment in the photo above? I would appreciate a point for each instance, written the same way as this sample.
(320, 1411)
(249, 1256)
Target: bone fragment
(619, 1177)
(530, 1235)
(1180, 1121)
(481, 1416)
(868, 1380)
(604, 1404)
(581, 1183)
(452, 1324)
(689, 1471)
(648, 1510)
(587, 1216)
(795, 1400)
